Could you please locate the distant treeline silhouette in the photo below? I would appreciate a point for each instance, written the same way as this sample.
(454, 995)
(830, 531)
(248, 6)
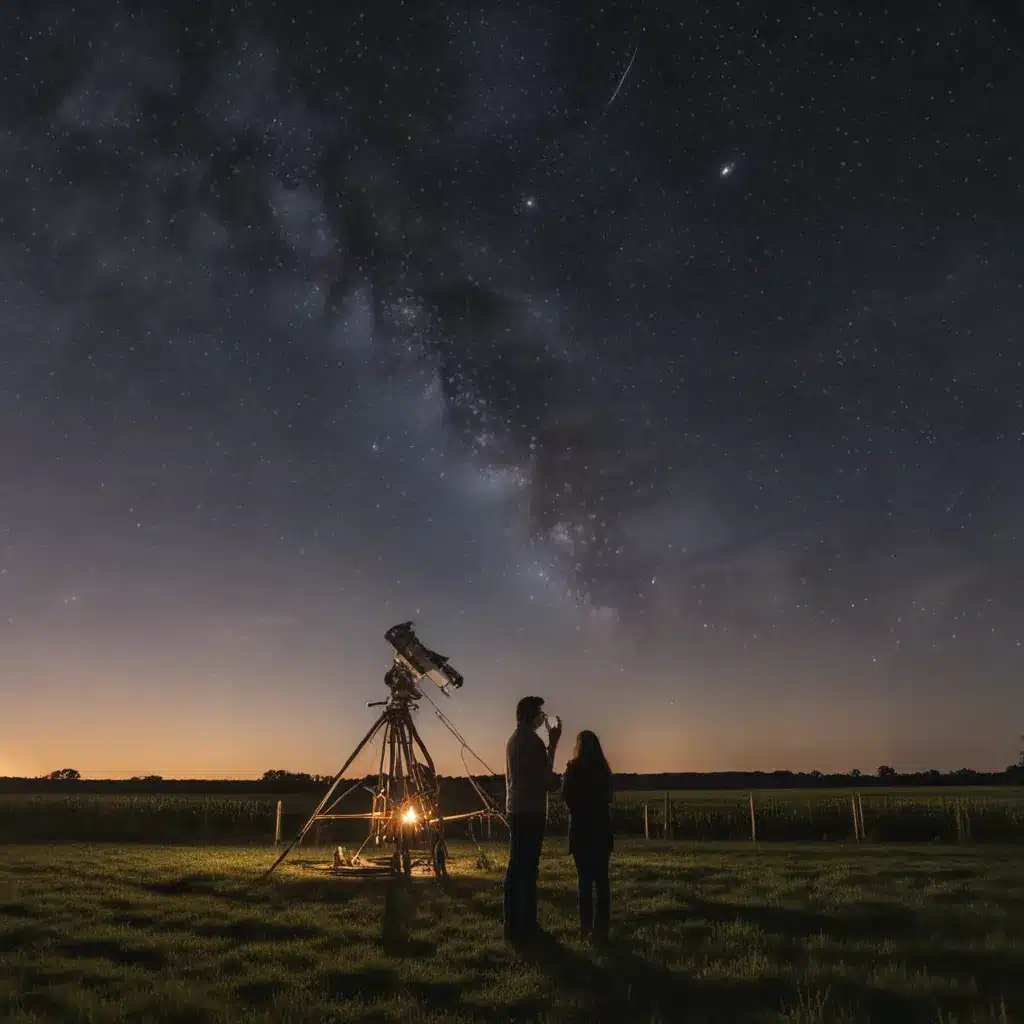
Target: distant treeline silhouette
(280, 781)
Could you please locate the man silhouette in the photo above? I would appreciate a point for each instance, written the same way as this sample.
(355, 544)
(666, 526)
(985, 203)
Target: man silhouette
(529, 778)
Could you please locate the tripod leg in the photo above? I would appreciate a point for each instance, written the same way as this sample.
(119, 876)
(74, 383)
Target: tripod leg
(411, 765)
(439, 858)
(406, 854)
(338, 799)
(386, 825)
(403, 771)
(415, 738)
(327, 796)
(438, 847)
(380, 799)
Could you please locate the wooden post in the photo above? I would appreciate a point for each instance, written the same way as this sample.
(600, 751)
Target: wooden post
(753, 820)
(668, 816)
(965, 820)
(860, 814)
(277, 823)
(647, 827)
(489, 820)
(856, 823)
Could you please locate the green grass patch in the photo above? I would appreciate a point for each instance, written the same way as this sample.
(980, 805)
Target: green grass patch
(92, 933)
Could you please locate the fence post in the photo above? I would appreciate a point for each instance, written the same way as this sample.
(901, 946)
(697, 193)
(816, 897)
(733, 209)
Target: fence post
(963, 821)
(668, 816)
(860, 814)
(753, 820)
(488, 828)
(277, 823)
(856, 823)
(647, 827)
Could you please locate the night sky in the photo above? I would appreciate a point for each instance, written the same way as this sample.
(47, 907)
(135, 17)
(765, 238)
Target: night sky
(690, 400)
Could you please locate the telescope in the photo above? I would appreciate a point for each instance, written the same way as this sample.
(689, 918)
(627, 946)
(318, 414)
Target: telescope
(419, 661)
(406, 811)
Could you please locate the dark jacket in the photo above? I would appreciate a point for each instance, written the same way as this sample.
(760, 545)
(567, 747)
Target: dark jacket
(588, 795)
(528, 774)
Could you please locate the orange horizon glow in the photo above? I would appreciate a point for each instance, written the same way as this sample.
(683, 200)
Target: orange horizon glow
(150, 709)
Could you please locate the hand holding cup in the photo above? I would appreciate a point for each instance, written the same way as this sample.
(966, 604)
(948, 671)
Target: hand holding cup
(554, 731)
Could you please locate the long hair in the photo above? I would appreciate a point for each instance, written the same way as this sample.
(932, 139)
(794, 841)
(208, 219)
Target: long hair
(588, 755)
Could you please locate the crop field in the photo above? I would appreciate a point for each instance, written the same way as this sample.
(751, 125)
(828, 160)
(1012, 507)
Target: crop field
(888, 814)
(980, 815)
(701, 933)
(1001, 794)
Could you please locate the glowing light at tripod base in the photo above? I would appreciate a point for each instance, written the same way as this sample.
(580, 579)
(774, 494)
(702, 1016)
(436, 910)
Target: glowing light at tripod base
(409, 816)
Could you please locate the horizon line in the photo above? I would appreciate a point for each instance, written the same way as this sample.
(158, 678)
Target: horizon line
(156, 777)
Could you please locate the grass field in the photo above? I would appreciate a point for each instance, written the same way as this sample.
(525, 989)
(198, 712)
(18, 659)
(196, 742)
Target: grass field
(837, 933)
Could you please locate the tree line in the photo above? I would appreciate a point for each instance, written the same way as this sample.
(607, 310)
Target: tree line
(278, 780)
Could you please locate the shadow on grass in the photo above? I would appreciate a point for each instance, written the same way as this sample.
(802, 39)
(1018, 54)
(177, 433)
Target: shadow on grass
(259, 890)
(17, 940)
(115, 953)
(19, 912)
(402, 899)
(998, 974)
(187, 885)
(116, 904)
(370, 983)
(481, 896)
(255, 930)
(260, 995)
(45, 1004)
(625, 985)
(139, 921)
(315, 890)
(601, 991)
(439, 995)
(622, 984)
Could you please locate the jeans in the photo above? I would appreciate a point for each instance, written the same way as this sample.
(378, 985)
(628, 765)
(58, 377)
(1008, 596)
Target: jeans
(526, 837)
(592, 874)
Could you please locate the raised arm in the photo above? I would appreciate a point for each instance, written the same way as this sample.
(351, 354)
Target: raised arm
(543, 758)
(569, 787)
(554, 782)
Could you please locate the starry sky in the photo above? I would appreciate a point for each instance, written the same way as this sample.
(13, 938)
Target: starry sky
(664, 363)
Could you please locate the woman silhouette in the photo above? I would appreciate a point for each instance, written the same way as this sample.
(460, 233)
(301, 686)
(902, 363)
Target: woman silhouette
(587, 789)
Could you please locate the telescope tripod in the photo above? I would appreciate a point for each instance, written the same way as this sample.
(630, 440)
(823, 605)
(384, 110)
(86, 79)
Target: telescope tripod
(406, 810)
